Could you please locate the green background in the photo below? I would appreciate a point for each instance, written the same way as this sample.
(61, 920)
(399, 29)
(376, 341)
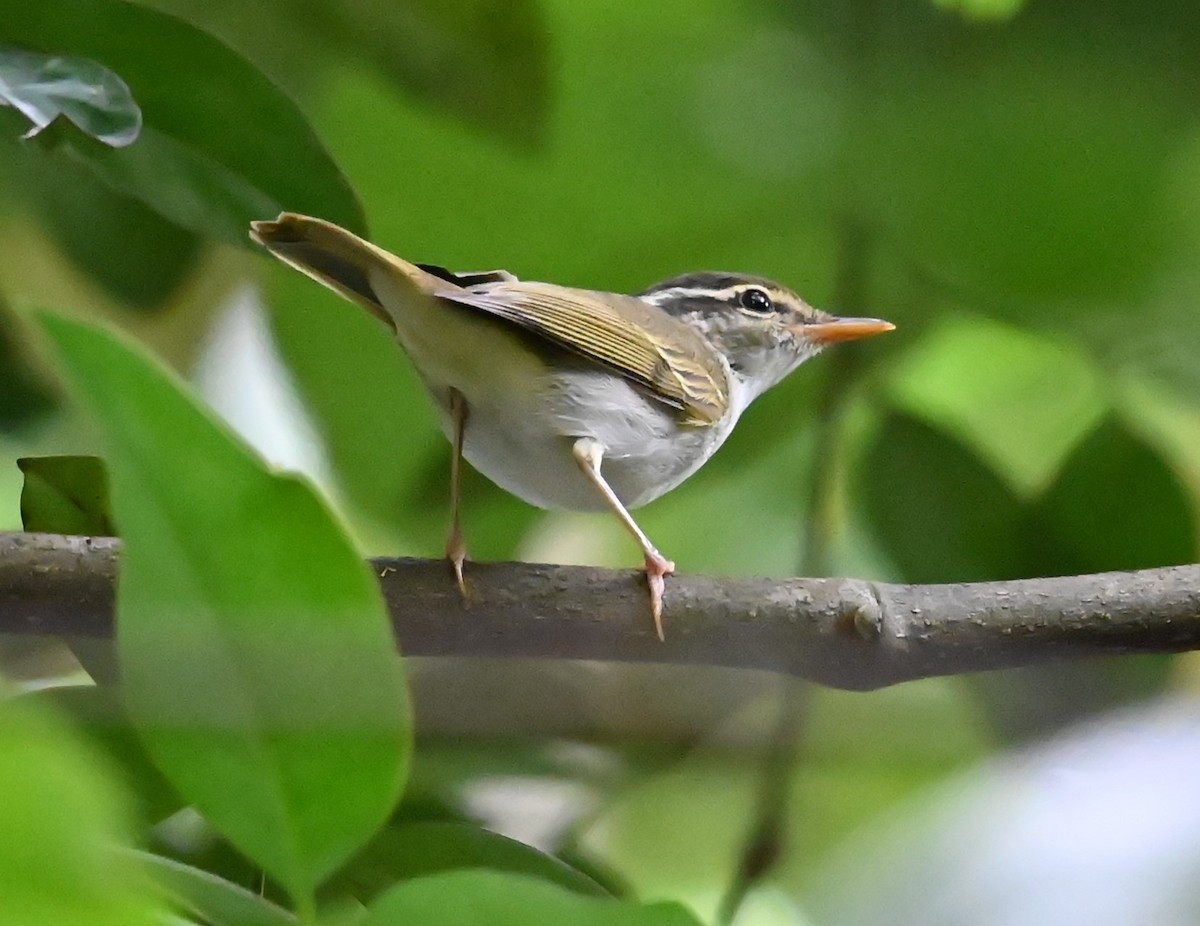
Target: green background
(1015, 186)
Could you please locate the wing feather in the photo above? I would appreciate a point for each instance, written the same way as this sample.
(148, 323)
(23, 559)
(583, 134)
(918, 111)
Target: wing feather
(612, 330)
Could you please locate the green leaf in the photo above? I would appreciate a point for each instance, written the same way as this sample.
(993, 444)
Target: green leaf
(984, 10)
(66, 495)
(98, 715)
(220, 145)
(257, 653)
(210, 898)
(863, 756)
(1115, 505)
(136, 255)
(487, 61)
(24, 397)
(44, 87)
(60, 824)
(1020, 399)
(653, 838)
(1023, 165)
(941, 514)
(411, 850)
(491, 898)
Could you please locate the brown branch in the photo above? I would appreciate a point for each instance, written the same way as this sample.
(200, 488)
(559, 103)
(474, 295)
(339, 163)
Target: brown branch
(848, 633)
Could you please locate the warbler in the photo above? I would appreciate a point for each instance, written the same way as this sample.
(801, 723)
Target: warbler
(570, 398)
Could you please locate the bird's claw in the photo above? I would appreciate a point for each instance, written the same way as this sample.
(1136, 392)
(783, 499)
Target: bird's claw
(657, 566)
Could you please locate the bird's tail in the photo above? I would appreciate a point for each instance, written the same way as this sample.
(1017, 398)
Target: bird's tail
(342, 261)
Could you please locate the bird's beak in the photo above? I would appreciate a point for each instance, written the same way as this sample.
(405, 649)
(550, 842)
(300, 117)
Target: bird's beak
(841, 329)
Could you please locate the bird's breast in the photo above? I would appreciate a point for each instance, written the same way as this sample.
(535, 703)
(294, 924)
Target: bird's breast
(523, 441)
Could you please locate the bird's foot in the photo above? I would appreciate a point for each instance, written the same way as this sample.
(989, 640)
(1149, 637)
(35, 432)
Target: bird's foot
(657, 566)
(456, 552)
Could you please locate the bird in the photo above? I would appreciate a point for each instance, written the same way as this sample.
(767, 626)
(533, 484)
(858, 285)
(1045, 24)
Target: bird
(570, 398)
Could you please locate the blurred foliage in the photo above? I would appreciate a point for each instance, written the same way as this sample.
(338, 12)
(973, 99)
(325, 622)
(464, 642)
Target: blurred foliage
(1016, 185)
(24, 397)
(61, 816)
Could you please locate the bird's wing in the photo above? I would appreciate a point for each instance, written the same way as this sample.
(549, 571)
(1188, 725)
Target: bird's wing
(611, 330)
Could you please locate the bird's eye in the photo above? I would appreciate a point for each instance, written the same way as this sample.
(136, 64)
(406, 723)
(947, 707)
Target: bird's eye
(756, 300)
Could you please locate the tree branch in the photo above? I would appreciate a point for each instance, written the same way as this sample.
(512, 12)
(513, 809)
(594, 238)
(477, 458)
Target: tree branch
(847, 633)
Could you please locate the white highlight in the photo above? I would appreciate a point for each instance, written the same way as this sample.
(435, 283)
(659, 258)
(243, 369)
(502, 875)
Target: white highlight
(241, 375)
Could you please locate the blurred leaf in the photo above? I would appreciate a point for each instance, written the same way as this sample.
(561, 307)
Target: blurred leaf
(139, 257)
(1024, 167)
(680, 832)
(492, 898)
(221, 145)
(342, 913)
(188, 838)
(24, 397)
(1168, 421)
(862, 755)
(212, 899)
(44, 87)
(1019, 399)
(60, 824)
(982, 9)
(243, 611)
(66, 495)
(484, 60)
(412, 850)
(942, 515)
(1116, 505)
(99, 716)
(856, 756)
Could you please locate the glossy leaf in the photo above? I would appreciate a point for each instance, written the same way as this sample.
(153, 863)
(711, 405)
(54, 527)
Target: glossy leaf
(210, 898)
(221, 145)
(66, 495)
(412, 850)
(492, 898)
(45, 87)
(257, 654)
(60, 824)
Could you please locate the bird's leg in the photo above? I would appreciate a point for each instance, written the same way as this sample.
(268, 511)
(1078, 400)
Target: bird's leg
(588, 454)
(456, 549)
